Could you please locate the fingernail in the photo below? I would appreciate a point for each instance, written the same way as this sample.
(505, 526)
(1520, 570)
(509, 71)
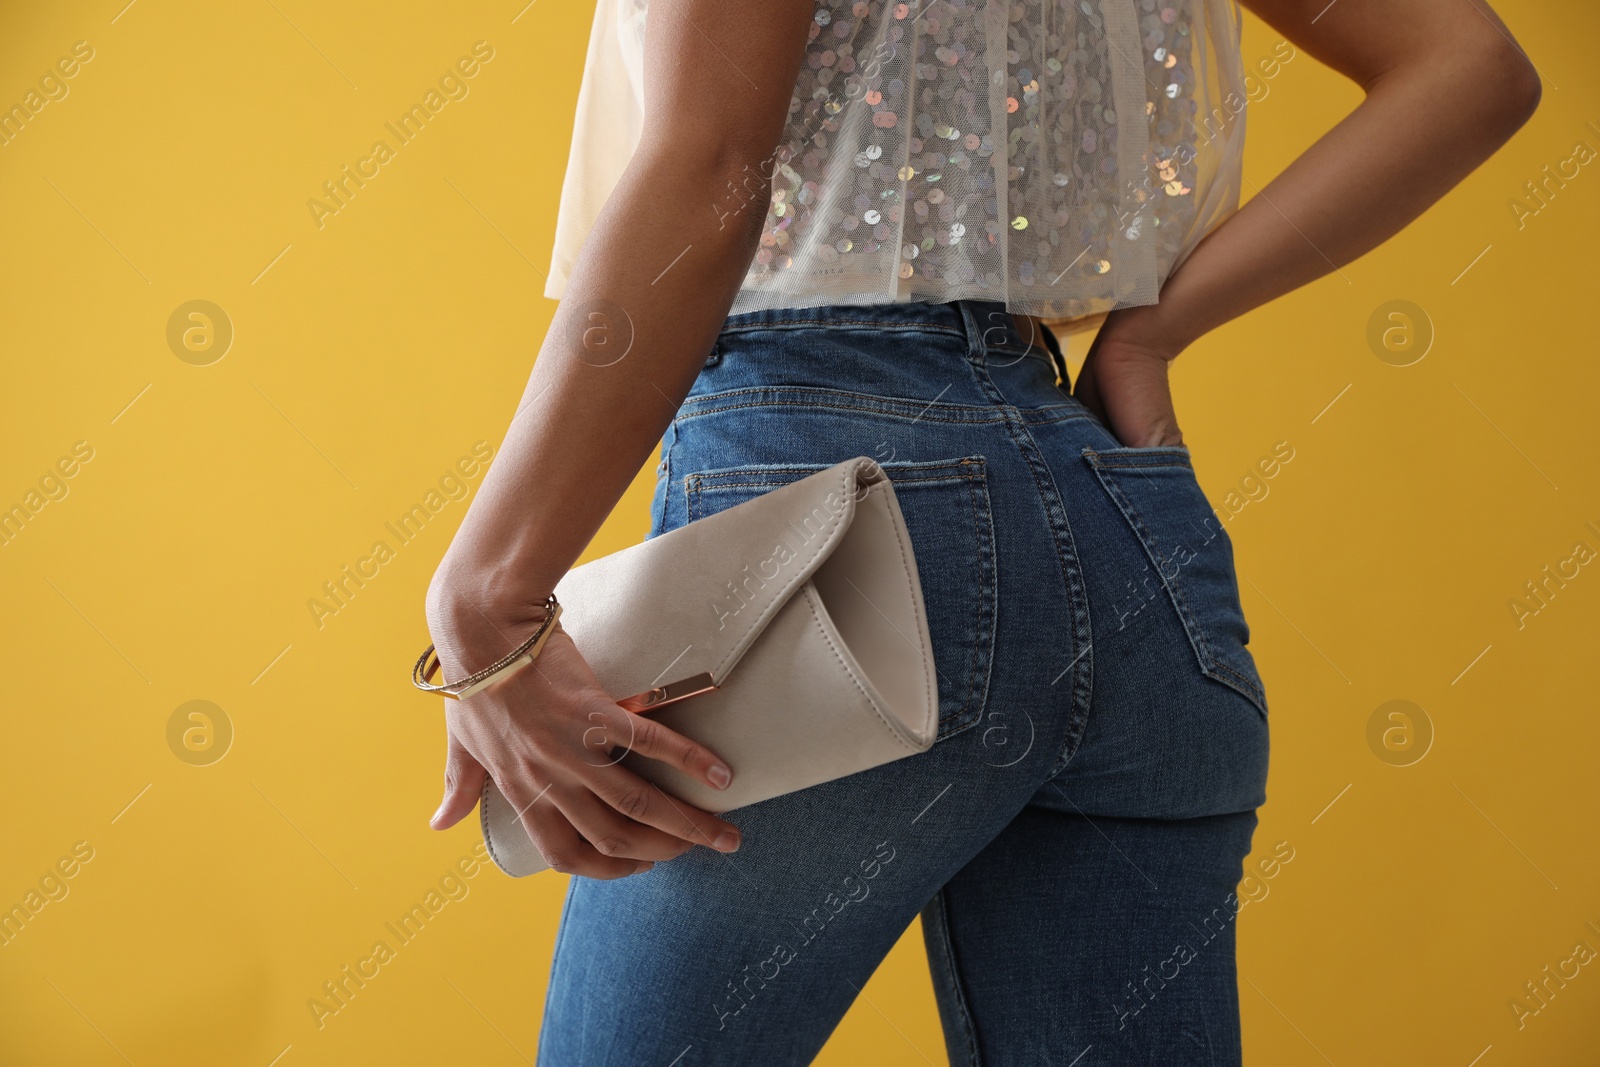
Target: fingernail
(642, 868)
(727, 841)
(436, 815)
(720, 776)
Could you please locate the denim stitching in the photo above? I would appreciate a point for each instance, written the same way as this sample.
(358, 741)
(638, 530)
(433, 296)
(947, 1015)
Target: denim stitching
(814, 397)
(908, 566)
(876, 325)
(702, 479)
(957, 993)
(982, 660)
(1007, 347)
(1061, 535)
(1210, 664)
(976, 479)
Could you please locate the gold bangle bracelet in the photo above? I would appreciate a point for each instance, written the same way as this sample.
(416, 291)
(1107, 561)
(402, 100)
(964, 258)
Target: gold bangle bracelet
(427, 666)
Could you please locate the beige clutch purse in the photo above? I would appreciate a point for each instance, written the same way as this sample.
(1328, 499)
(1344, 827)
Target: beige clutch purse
(786, 633)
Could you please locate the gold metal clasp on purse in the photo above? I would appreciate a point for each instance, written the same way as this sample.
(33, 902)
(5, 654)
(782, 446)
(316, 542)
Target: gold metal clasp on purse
(671, 693)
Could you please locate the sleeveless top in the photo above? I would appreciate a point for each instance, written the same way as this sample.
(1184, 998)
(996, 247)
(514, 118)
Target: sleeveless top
(1059, 156)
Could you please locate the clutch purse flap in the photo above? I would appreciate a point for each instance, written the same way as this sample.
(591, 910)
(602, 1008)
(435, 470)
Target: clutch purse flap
(811, 591)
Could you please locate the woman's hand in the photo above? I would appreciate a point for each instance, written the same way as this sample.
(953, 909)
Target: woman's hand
(552, 739)
(1123, 381)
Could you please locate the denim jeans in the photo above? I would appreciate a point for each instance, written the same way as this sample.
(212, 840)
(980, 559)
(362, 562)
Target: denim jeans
(1072, 841)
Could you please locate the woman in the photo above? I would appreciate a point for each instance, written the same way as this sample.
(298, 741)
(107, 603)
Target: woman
(894, 201)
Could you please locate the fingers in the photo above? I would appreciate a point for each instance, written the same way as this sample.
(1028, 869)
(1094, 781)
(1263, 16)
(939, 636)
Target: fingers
(610, 834)
(1129, 392)
(1138, 397)
(557, 840)
(644, 802)
(647, 737)
(463, 784)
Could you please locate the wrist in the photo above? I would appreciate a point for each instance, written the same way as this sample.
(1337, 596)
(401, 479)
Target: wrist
(466, 600)
(1159, 328)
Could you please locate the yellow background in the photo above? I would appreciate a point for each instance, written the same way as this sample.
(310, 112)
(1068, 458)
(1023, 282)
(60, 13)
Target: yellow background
(370, 354)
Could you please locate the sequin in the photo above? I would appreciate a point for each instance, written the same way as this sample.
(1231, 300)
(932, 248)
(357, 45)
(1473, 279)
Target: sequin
(931, 152)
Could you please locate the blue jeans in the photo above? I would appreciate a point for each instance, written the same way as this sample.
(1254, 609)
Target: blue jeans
(1074, 839)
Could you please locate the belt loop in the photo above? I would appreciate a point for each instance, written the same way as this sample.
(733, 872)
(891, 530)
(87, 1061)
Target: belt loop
(977, 352)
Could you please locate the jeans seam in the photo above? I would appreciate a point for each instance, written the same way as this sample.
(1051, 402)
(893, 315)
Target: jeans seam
(953, 987)
(815, 398)
(988, 591)
(873, 324)
(1060, 529)
(971, 470)
(1210, 665)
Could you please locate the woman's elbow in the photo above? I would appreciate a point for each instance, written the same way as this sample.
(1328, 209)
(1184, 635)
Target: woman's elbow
(1513, 84)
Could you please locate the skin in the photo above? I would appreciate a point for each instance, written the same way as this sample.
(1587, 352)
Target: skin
(1445, 87)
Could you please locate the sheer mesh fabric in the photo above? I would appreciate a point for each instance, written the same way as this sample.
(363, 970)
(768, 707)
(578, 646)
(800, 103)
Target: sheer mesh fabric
(1059, 156)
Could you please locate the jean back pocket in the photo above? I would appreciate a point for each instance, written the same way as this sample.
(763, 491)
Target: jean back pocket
(947, 514)
(1156, 491)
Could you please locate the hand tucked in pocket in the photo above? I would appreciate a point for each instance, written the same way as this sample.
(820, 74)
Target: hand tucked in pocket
(1124, 383)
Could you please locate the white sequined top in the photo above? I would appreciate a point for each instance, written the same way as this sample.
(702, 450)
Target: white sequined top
(1058, 156)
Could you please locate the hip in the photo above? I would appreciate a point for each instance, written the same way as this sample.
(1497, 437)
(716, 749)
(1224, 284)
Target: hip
(1059, 569)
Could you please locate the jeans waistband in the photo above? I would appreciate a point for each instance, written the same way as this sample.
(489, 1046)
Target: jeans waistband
(987, 321)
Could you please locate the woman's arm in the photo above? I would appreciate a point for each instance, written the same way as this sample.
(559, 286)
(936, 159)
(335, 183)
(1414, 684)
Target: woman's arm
(1446, 86)
(668, 253)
